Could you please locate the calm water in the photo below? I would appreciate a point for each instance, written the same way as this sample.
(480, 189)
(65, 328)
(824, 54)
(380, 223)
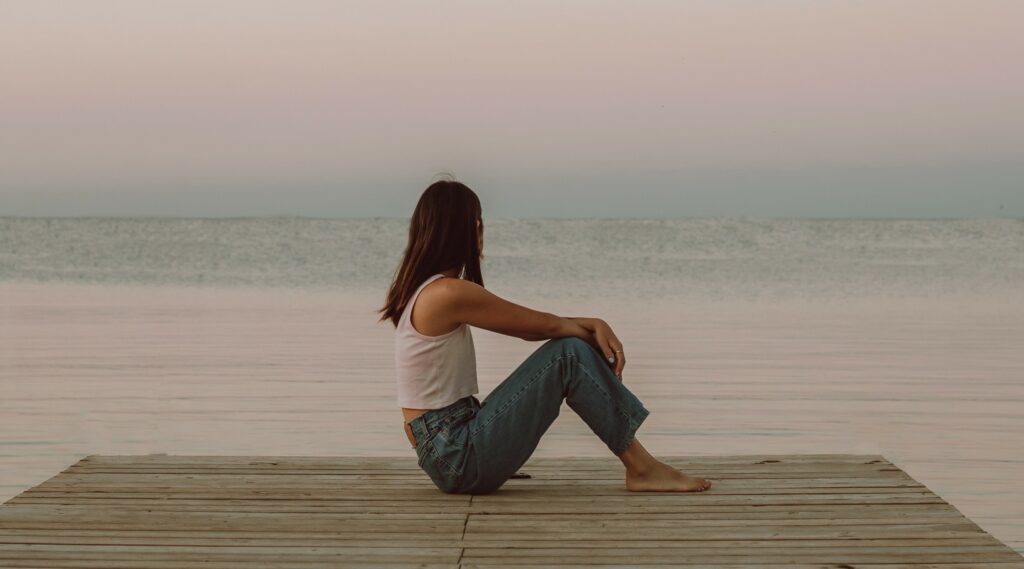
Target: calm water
(724, 259)
(258, 336)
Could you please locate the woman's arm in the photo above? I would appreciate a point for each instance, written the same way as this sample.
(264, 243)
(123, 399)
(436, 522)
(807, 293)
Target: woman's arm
(465, 301)
(588, 323)
(469, 303)
(572, 327)
(568, 329)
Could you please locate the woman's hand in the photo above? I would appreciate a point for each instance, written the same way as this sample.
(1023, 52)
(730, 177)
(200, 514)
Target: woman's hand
(610, 345)
(607, 342)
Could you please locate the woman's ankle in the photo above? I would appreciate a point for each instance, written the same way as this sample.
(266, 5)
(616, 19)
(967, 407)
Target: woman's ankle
(637, 460)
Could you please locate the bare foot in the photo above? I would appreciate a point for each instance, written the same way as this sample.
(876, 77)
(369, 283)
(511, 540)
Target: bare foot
(664, 478)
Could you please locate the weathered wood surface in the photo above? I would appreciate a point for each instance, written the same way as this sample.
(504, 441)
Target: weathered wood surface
(799, 511)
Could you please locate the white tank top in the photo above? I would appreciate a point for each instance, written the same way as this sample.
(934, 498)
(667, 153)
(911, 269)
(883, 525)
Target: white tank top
(433, 371)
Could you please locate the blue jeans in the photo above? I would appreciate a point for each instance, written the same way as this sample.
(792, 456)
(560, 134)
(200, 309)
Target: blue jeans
(470, 447)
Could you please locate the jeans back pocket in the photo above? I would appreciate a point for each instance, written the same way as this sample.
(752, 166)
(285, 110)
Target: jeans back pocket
(454, 427)
(448, 452)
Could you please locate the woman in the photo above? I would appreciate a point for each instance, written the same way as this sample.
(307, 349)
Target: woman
(470, 447)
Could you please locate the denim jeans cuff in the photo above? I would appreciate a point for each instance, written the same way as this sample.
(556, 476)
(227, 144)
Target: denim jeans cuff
(635, 420)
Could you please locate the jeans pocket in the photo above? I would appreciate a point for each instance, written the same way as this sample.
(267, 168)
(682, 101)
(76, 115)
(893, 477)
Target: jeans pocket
(452, 425)
(450, 445)
(454, 436)
(442, 462)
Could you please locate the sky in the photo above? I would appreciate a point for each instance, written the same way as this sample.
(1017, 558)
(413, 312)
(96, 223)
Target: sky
(545, 108)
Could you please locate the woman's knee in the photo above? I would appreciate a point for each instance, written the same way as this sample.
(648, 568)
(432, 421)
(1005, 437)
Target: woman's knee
(572, 344)
(587, 356)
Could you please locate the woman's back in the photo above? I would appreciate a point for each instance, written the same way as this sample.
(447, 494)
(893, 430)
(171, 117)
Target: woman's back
(433, 371)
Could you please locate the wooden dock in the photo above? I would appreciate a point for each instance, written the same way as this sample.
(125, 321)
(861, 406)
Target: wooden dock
(800, 511)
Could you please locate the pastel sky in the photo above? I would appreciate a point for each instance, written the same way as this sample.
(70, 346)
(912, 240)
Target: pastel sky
(550, 108)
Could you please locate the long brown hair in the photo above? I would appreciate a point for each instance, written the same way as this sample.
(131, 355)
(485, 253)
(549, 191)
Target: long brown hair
(442, 236)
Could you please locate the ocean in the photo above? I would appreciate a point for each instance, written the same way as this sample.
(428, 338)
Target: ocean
(715, 258)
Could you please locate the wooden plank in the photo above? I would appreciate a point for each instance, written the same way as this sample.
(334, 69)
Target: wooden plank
(293, 506)
(403, 468)
(381, 508)
(369, 492)
(198, 554)
(174, 480)
(270, 537)
(832, 555)
(685, 563)
(140, 480)
(174, 563)
(388, 461)
(158, 564)
(611, 476)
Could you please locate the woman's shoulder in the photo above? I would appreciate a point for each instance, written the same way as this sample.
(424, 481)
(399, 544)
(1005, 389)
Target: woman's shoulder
(446, 293)
(435, 302)
(452, 284)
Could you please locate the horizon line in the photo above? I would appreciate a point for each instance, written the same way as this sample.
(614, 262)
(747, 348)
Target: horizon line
(372, 217)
